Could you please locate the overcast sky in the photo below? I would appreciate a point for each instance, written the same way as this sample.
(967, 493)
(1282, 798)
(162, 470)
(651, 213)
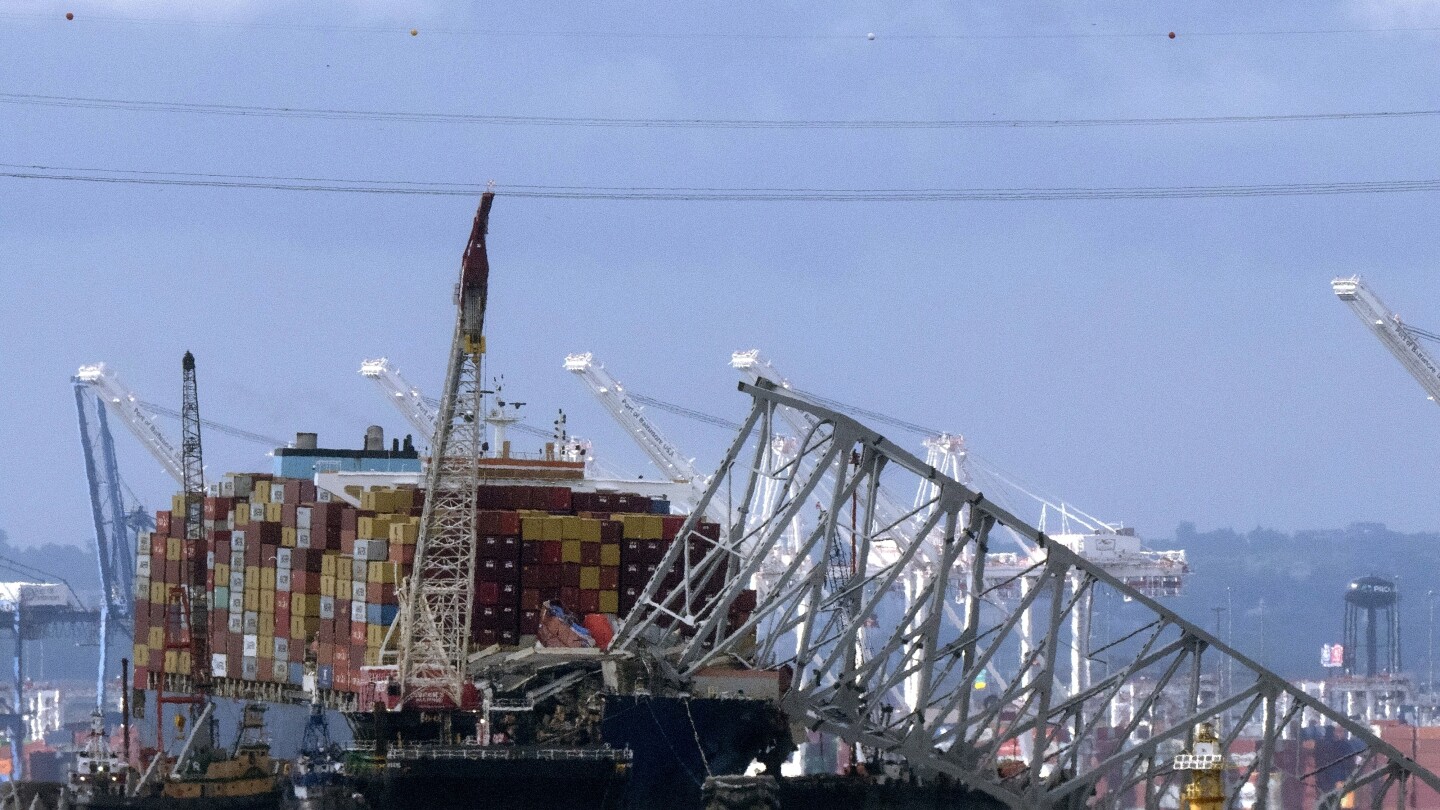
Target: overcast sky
(1152, 361)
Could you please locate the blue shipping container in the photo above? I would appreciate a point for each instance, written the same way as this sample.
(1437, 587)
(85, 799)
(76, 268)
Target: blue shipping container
(325, 675)
(297, 673)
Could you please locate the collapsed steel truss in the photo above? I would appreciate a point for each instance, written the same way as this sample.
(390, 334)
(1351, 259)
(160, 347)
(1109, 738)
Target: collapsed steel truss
(1030, 742)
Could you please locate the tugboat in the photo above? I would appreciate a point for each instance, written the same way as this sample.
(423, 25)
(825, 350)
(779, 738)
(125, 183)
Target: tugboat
(99, 773)
(317, 782)
(203, 776)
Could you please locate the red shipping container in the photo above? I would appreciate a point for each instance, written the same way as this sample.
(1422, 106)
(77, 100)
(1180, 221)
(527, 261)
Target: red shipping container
(670, 526)
(557, 498)
(710, 530)
(304, 582)
(282, 619)
(529, 621)
(162, 523)
(218, 508)
(487, 593)
(158, 544)
(570, 575)
(509, 637)
(541, 576)
(530, 599)
(485, 636)
(307, 559)
(350, 519)
(380, 593)
(358, 633)
(612, 530)
(551, 551)
(589, 553)
(327, 514)
(530, 553)
(493, 522)
(569, 597)
(587, 602)
(402, 554)
(298, 490)
(609, 577)
(509, 592)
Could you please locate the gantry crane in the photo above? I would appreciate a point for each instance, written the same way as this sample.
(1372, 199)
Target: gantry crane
(417, 409)
(1402, 339)
(625, 409)
(439, 598)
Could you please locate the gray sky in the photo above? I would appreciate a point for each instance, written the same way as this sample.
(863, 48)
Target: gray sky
(1150, 360)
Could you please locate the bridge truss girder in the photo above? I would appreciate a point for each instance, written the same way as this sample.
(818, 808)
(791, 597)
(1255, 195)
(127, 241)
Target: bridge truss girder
(1035, 744)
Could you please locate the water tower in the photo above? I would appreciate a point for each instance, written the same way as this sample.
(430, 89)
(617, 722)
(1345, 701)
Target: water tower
(1372, 627)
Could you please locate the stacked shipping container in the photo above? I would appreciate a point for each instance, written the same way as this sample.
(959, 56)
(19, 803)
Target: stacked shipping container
(293, 569)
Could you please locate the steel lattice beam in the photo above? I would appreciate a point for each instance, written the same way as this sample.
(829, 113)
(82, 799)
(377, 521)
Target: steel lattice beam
(1041, 742)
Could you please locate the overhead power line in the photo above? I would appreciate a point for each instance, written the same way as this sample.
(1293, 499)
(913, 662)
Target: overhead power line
(754, 35)
(403, 116)
(688, 194)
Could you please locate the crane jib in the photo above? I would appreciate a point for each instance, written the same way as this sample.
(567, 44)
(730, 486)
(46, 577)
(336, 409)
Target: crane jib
(475, 275)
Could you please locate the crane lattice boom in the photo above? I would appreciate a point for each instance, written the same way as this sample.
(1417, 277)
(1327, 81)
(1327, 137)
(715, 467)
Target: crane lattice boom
(1397, 337)
(435, 629)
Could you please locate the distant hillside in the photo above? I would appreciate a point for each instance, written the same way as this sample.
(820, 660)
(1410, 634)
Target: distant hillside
(75, 564)
(1293, 585)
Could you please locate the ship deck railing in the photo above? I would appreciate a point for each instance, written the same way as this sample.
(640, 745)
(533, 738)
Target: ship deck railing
(418, 752)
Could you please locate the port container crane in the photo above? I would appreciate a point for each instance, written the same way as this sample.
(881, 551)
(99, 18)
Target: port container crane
(417, 409)
(1400, 338)
(439, 598)
(626, 410)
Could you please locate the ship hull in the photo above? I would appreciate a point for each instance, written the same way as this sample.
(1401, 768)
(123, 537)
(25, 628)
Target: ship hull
(269, 800)
(467, 784)
(677, 741)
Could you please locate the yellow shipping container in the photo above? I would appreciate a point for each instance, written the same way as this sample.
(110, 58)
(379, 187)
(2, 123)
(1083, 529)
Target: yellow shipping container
(610, 554)
(156, 638)
(305, 604)
(242, 514)
(172, 661)
(302, 626)
(367, 500)
(267, 628)
(177, 506)
(287, 537)
(157, 592)
(327, 565)
(252, 599)
(630, 527)
(327, 585)
(141, 654)
(267, 602)
(174, 549)
(532, 528)
(404, 499)
(267, 579)
(609, 601)
(222, 574)
(553, 528)
(374, 636)
(382, 572)
(274, 512)
(252, 576)
(570, 551)
(590, 578)
(405, 533)
(372, 656)
(589, 530)
(260, 493)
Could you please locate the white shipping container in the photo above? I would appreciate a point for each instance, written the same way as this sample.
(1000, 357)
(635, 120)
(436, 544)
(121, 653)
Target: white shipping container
(250, 645)
(277, 493)
(237, 603)
(357, 594)
(282, 558)
(302, 517)
(302, 538)
(237, 560)
(357, 611)
(235, 624)
(142, 565)
(280, 670)
(237, 541)
(237, 581)
(327, 607)
(252, 621)
(282, 580)
(217, 665)
(322, 495)
(282, 648)
(250, 668)
(227, 487)
(257, 512)
(359, 569)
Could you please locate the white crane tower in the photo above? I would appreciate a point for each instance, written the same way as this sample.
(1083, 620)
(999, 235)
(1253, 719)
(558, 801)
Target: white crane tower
(405, 397)
(136, 415)
(1400, 338)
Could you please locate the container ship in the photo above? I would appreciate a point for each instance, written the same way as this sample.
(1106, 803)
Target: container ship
(304, 568)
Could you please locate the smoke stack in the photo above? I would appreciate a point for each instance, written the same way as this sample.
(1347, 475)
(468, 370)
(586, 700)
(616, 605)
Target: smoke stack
(375, 438)
(306, 441)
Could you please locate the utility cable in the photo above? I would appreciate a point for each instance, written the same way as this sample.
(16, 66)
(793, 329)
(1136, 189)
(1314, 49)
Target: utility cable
(688, 194)
(413, 116)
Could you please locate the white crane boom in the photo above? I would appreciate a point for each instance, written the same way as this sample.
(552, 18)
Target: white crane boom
(1397, 337)
(631, 416)
(405, 397)
(124, 404)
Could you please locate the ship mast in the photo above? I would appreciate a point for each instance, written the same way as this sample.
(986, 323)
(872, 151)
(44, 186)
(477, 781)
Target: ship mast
(439, 604)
